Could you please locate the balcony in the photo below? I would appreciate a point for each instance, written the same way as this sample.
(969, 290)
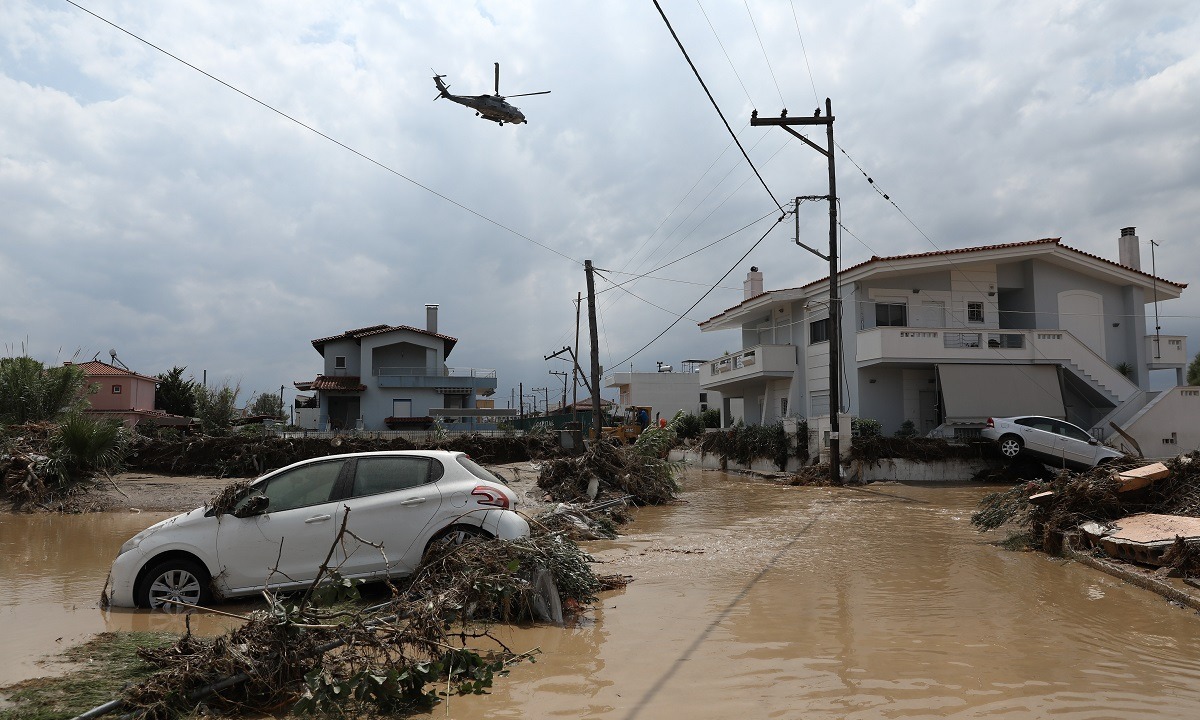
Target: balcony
(1166, 351)
(755, 363)
(934, 345)
(458, 381)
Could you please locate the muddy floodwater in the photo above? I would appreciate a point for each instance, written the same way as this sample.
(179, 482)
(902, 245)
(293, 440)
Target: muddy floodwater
(753, 600)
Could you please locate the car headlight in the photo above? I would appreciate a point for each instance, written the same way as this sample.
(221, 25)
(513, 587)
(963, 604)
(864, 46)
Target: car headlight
(136, 540)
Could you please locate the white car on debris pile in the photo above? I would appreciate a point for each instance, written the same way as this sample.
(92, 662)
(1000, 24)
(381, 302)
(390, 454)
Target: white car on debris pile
(1054, 442)
(280, 530)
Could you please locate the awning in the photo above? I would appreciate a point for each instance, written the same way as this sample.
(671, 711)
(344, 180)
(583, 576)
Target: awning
(973, 393)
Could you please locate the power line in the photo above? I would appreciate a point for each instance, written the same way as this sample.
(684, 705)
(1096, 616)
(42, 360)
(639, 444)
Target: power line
(783, 103)
(706, 293)
(698, 250)
(626, 290)
(716, 107)
(796, 17)
(727, 58)
(339, 143)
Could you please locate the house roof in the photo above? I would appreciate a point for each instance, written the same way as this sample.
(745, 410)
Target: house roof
(917, 260)
(335, 383)
(95, 368)
(358, 334)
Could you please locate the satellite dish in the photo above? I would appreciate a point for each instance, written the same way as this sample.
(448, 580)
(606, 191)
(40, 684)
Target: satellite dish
(112, 353)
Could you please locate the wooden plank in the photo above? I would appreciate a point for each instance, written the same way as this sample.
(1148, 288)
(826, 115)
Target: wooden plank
(1139, 478)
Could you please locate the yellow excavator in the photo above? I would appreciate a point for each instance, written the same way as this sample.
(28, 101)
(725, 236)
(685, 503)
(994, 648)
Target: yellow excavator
(637, 418)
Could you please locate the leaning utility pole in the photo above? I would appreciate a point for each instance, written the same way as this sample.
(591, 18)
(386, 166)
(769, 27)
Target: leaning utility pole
(575, 376)
(835, 310)
(591, 300)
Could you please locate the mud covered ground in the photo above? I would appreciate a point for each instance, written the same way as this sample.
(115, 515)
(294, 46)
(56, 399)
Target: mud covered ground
(140, 491)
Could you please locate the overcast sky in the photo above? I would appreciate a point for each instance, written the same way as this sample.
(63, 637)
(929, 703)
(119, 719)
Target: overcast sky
(150, 209)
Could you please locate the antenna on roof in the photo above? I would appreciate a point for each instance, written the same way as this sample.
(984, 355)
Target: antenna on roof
(112, 353)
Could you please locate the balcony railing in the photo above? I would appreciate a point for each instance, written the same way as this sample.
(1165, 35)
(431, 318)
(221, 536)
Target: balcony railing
(435, 372)
(757, 361)
(1164, 351)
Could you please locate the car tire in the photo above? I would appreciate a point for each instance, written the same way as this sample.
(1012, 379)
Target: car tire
(176, 579)
(1011, 446)
(456, 535)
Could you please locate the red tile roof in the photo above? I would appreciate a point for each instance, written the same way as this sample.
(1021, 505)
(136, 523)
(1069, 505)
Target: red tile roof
(95, 368)
(336, 383)
(1057, 242)
(360, 333)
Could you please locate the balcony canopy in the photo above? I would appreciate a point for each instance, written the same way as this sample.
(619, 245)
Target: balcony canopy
(973, 393)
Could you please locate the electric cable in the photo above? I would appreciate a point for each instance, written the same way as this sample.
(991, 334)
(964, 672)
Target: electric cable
(339, 143)
(706, 293)
(713, 100)
(764, 52)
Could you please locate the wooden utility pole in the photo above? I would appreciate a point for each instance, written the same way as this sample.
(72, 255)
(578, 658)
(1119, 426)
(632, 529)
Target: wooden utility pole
(835, 309)
(597, 421)
(575, 371)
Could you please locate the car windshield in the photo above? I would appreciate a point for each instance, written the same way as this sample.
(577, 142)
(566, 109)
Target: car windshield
(478, 470)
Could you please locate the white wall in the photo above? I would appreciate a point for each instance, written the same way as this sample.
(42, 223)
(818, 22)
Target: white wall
(1172, 416)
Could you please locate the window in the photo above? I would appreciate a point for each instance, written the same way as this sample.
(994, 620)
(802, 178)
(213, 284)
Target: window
(339, 362)
(703, 397)
(116, 390)
(974, 311)
(818, 404)
(386, 474)
(783, 406)
(307, 485)
(818, 331)
(891, 314)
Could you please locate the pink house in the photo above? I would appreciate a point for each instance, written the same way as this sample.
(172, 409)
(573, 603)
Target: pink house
(123, 394)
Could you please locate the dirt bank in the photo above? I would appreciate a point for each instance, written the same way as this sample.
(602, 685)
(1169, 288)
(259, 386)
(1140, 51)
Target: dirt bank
(138, 491)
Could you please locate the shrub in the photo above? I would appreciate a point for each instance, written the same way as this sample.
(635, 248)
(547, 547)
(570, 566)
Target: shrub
(31, 392)
(865, 427)
(85, 444)
(688, 426)
(711, 418)
(216, 407)
(907, 429)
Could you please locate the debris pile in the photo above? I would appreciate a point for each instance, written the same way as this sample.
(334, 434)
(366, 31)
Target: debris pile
(1048, 510)
(246, 456)
(870, 449)
(606, 470)
(321, 654)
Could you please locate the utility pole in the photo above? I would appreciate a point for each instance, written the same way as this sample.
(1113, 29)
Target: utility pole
(521, 397)
(575, 377)
(564, 375)
(595, 337)
(835, 310)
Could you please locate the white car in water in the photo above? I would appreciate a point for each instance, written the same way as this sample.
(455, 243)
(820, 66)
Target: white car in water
(1053, 441)
(281, 529)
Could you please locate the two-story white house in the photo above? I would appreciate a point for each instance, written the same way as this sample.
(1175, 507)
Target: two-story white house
(953, 337)
(665, 391)
(393, 377)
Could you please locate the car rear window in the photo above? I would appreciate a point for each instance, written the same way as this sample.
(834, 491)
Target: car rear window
(478, 470)
(374, 475)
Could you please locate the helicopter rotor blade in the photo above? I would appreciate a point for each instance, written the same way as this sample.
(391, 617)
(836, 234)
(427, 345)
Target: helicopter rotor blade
(544, 92)
(497, 78)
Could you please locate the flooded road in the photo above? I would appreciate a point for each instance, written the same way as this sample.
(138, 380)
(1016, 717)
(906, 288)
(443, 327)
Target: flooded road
(52, 570)
(758, 601)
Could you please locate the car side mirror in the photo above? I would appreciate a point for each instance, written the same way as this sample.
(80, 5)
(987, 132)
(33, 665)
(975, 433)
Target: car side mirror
(256, 505)
(1093, 441)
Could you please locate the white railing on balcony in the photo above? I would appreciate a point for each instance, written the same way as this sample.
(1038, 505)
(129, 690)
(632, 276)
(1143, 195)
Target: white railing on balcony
(776, 360)
(435, 372)
(1166, 350)
(897, 344)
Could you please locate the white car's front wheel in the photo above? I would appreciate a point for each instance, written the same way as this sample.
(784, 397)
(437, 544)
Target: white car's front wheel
(1010, 446)
(173, 582)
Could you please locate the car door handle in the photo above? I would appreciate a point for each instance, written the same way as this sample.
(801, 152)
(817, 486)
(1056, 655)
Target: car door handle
(413, 501)
(317, 519)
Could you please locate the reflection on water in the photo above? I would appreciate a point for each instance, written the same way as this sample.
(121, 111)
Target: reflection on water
(756, 600)
(52, 571)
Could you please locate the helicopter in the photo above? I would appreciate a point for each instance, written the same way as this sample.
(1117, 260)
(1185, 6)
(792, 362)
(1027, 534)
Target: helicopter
(488, 107)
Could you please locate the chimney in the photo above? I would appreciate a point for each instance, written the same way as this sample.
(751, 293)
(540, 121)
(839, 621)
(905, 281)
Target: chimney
(1130, 249)
(753, 286)
(431, 318)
